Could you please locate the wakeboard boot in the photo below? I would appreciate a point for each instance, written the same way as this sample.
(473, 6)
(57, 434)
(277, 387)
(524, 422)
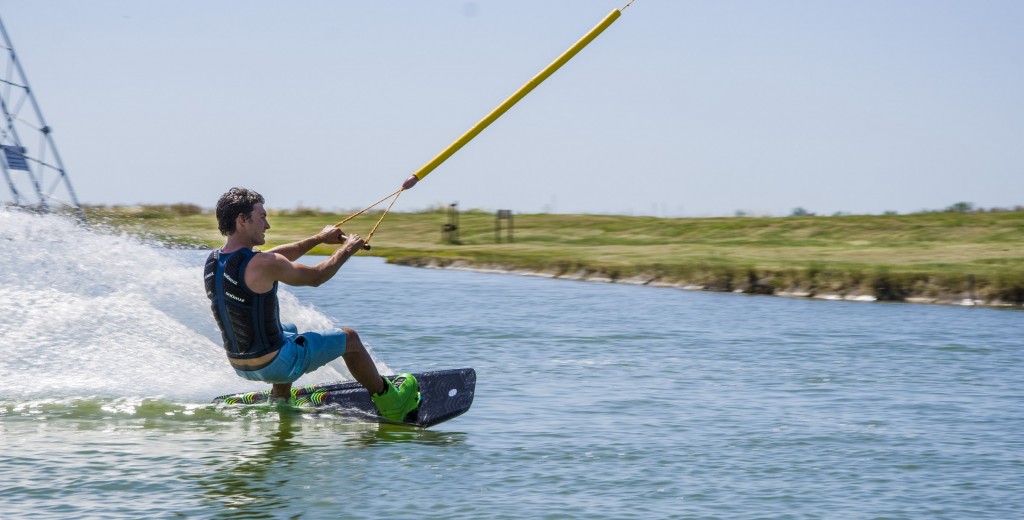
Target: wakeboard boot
(397, 403)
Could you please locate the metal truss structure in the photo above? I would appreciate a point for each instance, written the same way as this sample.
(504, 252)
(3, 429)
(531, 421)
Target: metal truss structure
(31, 165)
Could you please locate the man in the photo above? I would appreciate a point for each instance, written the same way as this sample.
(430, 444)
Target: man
(242, 287)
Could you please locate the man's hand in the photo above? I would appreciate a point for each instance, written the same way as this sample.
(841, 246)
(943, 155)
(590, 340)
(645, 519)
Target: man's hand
(332, 235)
(354, 243)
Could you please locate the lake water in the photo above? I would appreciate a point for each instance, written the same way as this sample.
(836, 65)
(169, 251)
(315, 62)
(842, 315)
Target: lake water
(593, 400)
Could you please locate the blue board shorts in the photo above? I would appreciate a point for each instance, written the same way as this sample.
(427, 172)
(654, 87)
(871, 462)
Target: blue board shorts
(300, 354)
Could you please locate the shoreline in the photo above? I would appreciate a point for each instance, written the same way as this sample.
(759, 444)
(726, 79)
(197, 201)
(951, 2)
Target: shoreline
(583, 275)
(945, 258)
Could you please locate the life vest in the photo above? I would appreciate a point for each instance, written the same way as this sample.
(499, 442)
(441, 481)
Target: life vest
(249, 322)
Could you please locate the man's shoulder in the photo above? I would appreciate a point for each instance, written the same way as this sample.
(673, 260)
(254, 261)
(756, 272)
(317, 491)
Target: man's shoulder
(266, 257)
(268, 261)
(263, 269)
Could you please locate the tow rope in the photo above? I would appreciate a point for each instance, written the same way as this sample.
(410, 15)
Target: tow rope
(488, 119)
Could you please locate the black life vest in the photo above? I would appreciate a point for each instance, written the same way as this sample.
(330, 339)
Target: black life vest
(249, 322)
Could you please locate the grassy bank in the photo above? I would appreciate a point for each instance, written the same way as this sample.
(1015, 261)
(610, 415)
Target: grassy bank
(931, 257)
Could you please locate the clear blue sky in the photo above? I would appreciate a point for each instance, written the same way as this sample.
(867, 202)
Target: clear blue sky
(681, 108)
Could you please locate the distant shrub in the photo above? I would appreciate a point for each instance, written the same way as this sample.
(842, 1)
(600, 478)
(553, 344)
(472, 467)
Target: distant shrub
(164, 210)
(185, 210)
(960, 207)
(306, 212)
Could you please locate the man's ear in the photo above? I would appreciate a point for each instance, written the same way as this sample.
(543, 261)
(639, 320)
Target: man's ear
(242, 217)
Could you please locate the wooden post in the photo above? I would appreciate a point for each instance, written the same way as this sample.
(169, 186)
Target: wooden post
(450, 231)
(501, 216)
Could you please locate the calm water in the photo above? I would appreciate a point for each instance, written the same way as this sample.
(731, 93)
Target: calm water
(593, 400)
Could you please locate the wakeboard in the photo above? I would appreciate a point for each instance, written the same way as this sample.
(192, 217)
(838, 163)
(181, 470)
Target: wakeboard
(444, 395)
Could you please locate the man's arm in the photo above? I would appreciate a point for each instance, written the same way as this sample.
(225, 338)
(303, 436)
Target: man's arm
(294, 250)
(273, 266)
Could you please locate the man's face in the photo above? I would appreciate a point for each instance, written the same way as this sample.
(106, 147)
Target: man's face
(255, 226)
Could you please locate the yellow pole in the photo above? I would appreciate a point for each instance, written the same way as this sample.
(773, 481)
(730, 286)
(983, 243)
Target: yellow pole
(512, 100)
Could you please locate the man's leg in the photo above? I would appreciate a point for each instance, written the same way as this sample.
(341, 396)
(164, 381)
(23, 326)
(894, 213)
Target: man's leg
(281, 391)
(360, 364)
(392, 402)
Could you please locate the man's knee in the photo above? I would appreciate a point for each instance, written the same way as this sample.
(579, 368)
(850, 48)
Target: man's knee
(352, 341)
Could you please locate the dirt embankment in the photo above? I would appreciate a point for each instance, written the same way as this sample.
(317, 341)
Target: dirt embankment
(800, 283)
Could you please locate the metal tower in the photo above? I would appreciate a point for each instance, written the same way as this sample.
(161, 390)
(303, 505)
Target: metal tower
(28, 154)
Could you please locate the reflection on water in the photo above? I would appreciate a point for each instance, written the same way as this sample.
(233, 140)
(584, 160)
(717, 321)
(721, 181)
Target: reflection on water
(248, 478)
(263, 468)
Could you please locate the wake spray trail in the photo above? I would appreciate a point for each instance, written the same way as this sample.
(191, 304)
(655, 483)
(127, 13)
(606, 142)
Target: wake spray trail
(90, 313)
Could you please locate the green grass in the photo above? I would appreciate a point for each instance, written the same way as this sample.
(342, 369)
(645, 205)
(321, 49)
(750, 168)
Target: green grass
(893, 257)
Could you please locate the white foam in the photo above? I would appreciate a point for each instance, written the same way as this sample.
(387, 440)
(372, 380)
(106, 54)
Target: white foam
(91, 312)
